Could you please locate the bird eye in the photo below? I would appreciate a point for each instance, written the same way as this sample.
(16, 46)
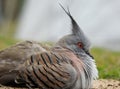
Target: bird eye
(80, 45)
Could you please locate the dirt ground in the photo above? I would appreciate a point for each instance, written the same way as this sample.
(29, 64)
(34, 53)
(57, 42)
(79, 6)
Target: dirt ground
(97, 84)
(106, 84)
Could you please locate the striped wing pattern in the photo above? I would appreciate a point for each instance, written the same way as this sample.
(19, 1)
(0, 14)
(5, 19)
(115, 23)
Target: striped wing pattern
(47, 70)
(15, 55)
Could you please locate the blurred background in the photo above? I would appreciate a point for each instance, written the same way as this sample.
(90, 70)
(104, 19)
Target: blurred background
(44, 20)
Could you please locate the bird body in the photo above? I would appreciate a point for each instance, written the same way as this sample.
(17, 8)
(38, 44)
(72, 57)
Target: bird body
(12, 57)
(56, 69)
(66, 65)
(19, 52)
(49, 71)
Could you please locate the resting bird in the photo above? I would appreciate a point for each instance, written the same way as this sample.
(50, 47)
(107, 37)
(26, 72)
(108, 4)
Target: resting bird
(67, 65)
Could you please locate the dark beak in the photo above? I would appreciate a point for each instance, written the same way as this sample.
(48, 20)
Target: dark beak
(88, 53)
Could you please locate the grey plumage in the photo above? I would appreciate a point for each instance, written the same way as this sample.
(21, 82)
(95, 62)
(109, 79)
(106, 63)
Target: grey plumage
(67, 65)
(12, 57)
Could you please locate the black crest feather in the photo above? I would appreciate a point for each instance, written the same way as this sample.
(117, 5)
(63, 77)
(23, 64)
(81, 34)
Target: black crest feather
(75, 26)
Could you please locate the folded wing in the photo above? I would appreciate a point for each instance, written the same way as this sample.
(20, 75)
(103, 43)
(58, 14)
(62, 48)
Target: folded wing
(47, 70)
(14, 56)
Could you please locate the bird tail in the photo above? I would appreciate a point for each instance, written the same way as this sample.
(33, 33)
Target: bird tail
(7, 78)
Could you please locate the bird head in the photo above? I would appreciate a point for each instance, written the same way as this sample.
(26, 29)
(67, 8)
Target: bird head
(76, 41)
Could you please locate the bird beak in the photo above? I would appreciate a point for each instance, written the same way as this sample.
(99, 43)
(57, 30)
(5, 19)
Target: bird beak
(88, 53)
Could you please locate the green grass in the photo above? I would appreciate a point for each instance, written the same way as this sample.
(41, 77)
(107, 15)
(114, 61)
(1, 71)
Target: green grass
(6, 42)
(108, 62)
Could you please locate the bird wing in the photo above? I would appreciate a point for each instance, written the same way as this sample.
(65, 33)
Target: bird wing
(47, 70)
(11, 57)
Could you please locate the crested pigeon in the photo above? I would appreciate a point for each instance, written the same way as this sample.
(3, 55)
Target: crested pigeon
(66, 65)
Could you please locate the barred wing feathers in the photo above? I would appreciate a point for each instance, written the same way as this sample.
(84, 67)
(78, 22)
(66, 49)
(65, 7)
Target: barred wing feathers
(15, 55)
(48, 70)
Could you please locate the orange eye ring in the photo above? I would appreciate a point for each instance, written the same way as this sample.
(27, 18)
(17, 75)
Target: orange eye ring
(80, 45)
